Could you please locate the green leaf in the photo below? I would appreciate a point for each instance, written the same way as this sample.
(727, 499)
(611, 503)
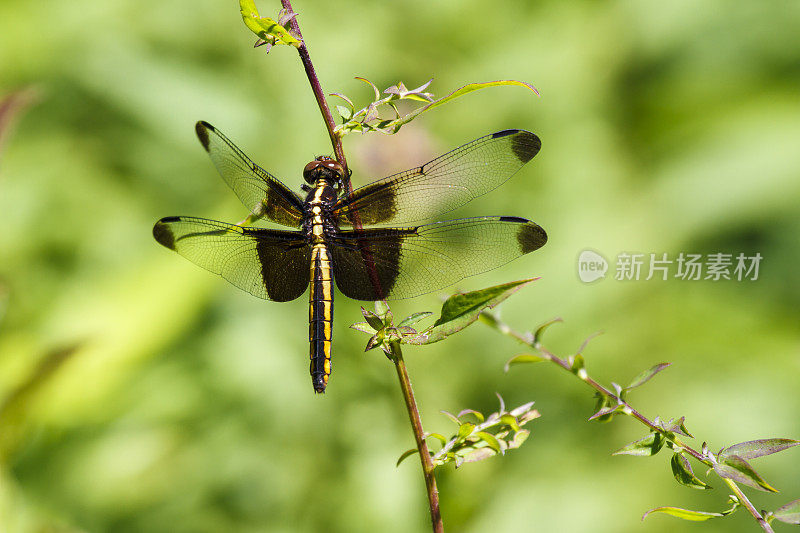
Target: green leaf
(438, 436)
(644, 447)
(604, 408)
(372, 319)
(465, 430)
(735, 468)
(374, 87)
(249, 6)
(521, 359)
(604, 414)
(676, 426)
(374, 342)
(789, 513)
(418, 94)
(686, 514)
(502, 403)
(382, 310)
(461, 310)
(452, 417)
(265, 27)
(527, 417)
(476, 414)
(758, 448)
(648, 374)
(537, 336)
(474, 456)
(510, 421)
(407, 453)
(585, 343)
(345, 112)
(577, 363)
(519, 437)
(405, 331)
(414, 318)
(683, 473)
(363, 327)
(470, 304)
(490, 441)
(522, 409)
(394, 108)
(349, 102)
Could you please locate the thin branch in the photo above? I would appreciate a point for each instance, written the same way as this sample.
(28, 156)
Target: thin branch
(419, 436)
(748, 505)
(527, 339)
(319, 94)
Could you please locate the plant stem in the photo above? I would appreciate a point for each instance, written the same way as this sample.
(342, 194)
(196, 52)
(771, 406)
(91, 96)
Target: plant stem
(336, 141)
(319, 94)
(527, 339)
(748, 505)
(419, 436)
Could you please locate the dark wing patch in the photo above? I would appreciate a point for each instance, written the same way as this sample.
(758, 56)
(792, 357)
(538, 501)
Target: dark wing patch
(441, 185)
(366, 264)
(531, 237)
(379, 263)
(523, 146)
(162, 232)
(270, 264)
(259, 190)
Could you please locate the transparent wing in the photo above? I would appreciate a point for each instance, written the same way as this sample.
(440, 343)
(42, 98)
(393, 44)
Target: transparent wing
(379, 263)
(441, 185)
(270, 264)
(258, 190)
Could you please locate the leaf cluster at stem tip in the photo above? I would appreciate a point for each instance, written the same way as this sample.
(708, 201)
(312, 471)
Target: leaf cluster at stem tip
(458, 312)
(482, 438)
(368, 118)
(270, 31)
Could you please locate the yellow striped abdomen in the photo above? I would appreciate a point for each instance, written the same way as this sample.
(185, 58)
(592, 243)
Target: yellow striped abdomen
(320, 316)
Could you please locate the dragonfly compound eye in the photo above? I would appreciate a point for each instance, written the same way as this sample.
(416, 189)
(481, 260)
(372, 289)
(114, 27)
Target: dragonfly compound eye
(323, 167)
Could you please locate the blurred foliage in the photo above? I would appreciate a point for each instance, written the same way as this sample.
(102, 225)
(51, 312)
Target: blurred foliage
(141, 393)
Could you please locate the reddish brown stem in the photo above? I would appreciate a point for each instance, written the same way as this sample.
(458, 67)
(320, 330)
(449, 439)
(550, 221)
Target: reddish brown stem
(419, 436)
(319, 94)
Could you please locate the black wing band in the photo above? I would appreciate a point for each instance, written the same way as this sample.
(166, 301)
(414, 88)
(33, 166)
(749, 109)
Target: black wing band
(260, 191)
(270, 264)
(441, 185)
(379, 263)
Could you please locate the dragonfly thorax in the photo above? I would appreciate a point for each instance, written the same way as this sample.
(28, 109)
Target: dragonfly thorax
(318, 222)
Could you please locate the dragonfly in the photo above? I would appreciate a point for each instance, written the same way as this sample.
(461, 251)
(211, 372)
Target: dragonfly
(360, 241)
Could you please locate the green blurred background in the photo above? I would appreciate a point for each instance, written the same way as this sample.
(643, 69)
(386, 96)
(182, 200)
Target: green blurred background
(141, 393)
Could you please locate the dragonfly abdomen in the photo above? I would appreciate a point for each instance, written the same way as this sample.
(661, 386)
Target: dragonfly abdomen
(320, 316)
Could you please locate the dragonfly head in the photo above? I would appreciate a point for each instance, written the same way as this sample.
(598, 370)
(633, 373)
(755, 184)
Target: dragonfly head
(324, 167)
